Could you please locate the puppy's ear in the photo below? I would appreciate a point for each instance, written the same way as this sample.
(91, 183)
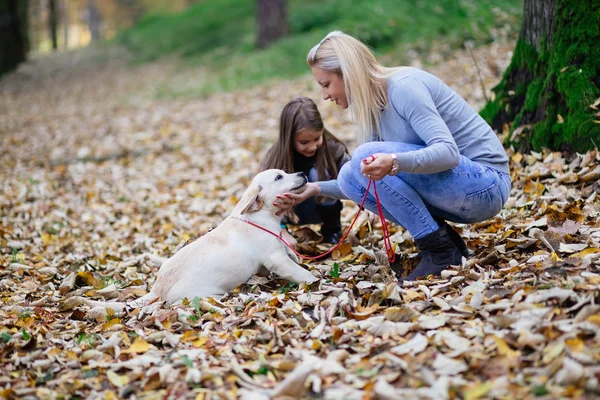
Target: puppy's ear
(252, 199)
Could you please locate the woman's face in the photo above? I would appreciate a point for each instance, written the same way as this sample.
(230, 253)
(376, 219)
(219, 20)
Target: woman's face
(307, 142)
(332, 86)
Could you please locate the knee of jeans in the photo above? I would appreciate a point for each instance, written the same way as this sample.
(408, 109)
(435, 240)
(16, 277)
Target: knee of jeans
(347, 183)
(363, 151)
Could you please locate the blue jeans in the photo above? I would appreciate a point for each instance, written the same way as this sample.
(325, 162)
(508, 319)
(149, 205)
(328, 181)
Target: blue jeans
(468, 193)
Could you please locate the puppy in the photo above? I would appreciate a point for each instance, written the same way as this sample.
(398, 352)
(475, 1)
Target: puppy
(230, 254)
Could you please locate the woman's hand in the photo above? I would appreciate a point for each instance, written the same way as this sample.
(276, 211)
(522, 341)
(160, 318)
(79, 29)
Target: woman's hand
(289, 200)
(376, 166)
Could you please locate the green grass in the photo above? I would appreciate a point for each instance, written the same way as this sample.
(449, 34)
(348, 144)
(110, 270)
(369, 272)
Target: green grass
(219, 36)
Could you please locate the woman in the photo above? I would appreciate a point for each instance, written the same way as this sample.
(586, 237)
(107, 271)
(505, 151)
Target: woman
(433, 157)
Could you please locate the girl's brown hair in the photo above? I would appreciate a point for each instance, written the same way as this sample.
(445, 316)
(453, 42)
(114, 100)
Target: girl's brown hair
(301, 113)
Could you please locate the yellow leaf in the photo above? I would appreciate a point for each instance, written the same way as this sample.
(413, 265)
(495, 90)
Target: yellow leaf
(533, 188)
(116, 379)
(504, 349)
(139, 346)
(594, 319)
(189, 336)
(517, 158)
(594, 280)
(110, 395)
(560, 118)
(25, 323)
(165, 131)
(54, 352)
(343, 250)
(575, 344)
(111, 323)
(552, 351)
(48, 239)
(477, 391)
(413, 295)
(201, 341)
(588, 251)
(88, 278)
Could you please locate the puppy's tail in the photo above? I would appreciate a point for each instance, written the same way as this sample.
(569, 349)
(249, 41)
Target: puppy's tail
(116, 306)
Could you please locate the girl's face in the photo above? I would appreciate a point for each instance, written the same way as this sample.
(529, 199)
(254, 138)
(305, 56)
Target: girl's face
(307, 142)
(332, 86)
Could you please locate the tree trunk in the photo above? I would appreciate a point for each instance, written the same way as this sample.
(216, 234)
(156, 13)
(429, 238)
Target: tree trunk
(14, 43)
(547, 94)
(64, 16)
(53, 23)
(94, 20)
(272, 21)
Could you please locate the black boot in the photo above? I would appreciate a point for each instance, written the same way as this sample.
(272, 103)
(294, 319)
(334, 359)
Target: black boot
(455, 237)
(332, 225)
(437, 251)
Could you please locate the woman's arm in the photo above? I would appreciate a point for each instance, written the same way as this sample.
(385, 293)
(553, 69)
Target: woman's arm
(413, 102)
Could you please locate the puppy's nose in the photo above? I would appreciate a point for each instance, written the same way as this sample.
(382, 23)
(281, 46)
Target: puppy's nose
(301, 174)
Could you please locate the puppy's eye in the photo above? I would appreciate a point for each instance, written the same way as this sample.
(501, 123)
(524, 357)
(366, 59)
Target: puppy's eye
(278, 177)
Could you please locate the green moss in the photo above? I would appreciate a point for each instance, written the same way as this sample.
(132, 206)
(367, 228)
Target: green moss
(490, 111)
(561, 83)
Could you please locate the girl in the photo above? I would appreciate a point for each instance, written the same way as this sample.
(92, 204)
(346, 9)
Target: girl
(305, 145)
(433, 157)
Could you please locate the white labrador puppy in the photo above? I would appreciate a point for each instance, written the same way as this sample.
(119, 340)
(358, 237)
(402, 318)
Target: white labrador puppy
(230, 254)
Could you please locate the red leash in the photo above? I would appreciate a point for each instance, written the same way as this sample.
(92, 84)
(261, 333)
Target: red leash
(386, 233)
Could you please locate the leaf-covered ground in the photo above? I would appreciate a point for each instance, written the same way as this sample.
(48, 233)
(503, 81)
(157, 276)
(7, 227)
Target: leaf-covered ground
(100, 182)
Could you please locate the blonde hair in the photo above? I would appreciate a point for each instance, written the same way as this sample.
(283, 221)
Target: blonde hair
(365, 80)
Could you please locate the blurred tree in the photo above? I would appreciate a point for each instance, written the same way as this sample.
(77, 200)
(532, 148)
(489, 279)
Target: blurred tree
(94, 20)
(14, 43)
(53, 23)
(272, 21)
(64, 17)
(549, 91)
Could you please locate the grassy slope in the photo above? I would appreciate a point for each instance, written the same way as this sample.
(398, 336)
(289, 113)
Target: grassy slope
(220, 35)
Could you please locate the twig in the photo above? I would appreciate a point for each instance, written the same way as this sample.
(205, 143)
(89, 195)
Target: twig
(469, 46)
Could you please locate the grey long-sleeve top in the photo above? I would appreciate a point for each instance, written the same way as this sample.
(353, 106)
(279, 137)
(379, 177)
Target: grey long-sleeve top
(423, 110)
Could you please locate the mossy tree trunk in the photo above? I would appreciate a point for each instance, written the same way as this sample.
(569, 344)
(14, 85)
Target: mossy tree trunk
(549, 93)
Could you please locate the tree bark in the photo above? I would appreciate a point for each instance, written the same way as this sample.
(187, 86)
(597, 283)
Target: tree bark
(64, 16)
(94, 20)
(537, 22)
(272, 21)
(547, 94)
(14, 43)
(53, 23)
